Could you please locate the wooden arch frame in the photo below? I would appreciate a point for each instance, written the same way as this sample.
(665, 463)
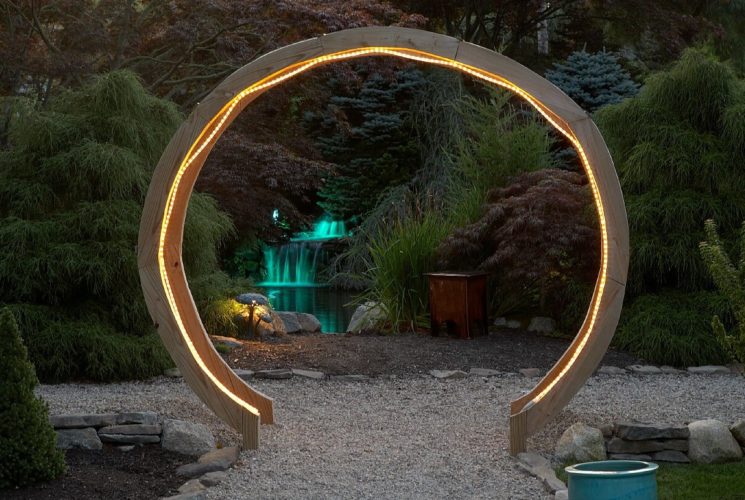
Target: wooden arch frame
(161, 231)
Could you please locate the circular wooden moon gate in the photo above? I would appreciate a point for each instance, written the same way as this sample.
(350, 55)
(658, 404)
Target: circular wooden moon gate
(159, 252)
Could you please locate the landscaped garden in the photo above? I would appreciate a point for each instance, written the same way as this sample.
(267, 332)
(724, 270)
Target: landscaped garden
(392, 250)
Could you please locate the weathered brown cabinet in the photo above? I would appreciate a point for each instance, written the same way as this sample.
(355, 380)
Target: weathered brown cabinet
(458, 299)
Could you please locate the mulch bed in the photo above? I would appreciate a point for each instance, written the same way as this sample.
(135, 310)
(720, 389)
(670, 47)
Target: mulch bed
(406, 354)
(144, 472)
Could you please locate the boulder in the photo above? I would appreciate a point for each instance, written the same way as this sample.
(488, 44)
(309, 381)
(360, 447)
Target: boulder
(712, 442)
(611, 370)
(274, 328)
(447, 374)
(187, 438)
(708, 370)
(290, 321)
(635, 431)
(541, 324)
(83, 439)
(581, 443)
(367, 316)
(738, 432)
(308, 322)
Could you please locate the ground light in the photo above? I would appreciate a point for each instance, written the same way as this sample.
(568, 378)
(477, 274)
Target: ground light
(161, 231)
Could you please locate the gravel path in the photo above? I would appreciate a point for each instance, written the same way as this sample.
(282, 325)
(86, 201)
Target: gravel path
(409, 437)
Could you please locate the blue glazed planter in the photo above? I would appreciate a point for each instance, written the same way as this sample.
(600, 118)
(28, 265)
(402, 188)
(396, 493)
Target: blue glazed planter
(613, 480)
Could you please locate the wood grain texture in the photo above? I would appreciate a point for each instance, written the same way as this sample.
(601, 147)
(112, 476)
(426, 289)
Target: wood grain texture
(161, 230)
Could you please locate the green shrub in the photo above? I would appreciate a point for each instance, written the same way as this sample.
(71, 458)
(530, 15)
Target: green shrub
(673, 328)
(72, 186)
(731, 282)
(400, 256)
(27, 441)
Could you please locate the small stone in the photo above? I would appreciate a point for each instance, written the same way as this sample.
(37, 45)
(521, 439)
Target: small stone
(83, 439)
(448, 374)
(367, 316)
(126, 448)
(611, 370)
(275, 374)
(137, 417)
(482, 372)
(618, 445)
(644, 369)
(541, 468)
(82, 421)
(244, 374)
(172, 373)
(669, 370)
(225, 457)
(308, 322)
(530, 372)
(131, 429)
(229, 342)
(738, 431)
(708, 370)
(636, 431)
(581, 443)
(607, 430)
(712, 442)
(191, 486)
(196, 495)
(196, 469)
(350, 378)
(129, 438)
(187, 438)
(289, 318)
(541, 324)
(629, 456)
(561, 495)
(513, 323)
(213, 478)
(673, 456)
(313, 374)
(500, 322)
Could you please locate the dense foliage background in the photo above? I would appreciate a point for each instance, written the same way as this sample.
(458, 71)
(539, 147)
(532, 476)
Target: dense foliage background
(429, 169)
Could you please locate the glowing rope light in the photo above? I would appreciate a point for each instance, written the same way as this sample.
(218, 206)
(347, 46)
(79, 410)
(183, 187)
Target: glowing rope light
(220, 118)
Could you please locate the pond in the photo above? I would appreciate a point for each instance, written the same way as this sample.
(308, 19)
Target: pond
(331, 306)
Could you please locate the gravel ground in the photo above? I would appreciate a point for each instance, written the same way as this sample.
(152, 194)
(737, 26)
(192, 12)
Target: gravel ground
(408, 437)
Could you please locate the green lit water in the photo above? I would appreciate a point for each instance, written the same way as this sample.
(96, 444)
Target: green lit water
(291, 276)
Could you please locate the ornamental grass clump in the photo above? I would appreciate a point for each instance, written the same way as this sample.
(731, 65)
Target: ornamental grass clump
(27, 440)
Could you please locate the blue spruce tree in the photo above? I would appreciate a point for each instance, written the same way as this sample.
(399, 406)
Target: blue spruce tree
(367, 136)
(593, 80)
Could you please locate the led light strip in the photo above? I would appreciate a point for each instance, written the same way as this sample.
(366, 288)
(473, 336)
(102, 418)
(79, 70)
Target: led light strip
(218, 121)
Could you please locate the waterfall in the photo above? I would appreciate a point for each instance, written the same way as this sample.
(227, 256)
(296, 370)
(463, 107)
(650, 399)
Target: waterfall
(295, 263)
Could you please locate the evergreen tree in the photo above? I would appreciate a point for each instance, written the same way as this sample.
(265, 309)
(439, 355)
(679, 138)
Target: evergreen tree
(71, 193)
(679, 148)
(368, 137)
(593, 80)
(27, 440)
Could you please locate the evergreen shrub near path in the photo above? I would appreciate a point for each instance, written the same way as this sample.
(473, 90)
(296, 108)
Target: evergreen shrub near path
(679, 147)
(28, 452)
(72, 187)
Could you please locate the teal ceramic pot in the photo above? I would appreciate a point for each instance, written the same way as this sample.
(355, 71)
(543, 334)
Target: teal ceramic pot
(613, 480)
